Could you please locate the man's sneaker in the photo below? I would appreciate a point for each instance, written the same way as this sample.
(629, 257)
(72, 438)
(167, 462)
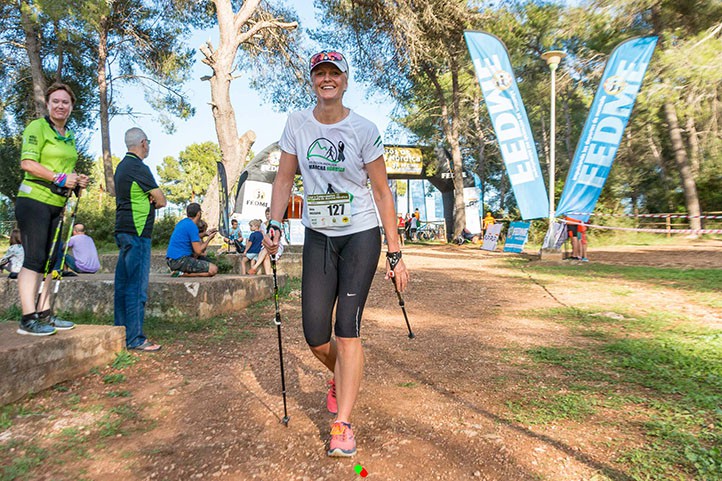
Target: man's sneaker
(343, 442)
(331, 403)
(33, 327)
(584, 259)
(58, 323)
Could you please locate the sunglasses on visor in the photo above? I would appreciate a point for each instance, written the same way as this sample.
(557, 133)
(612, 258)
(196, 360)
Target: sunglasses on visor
(324, 57)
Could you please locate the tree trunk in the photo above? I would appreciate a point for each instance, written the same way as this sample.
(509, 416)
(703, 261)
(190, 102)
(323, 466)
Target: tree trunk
(568, 130)
(450, 122)
(680, 156)
(60, 52)
(480, 166)
(105, 106)
(210, 205)
(32, 47)
(221, 61)
(693, 141)
(545, 141)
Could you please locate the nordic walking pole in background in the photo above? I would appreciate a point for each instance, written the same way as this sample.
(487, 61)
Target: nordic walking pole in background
(51, 253)
(73, 216)
(277, 321)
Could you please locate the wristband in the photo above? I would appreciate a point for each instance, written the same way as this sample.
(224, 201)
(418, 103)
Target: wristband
(273, 225)
(60, 178)
(393, 258)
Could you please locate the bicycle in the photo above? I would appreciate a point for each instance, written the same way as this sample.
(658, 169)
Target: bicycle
(427, 232)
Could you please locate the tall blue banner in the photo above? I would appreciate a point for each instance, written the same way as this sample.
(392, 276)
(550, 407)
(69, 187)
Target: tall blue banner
(605, 125)
(510, 122)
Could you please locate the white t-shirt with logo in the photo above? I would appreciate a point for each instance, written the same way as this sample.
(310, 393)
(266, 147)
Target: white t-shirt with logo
(333, 159)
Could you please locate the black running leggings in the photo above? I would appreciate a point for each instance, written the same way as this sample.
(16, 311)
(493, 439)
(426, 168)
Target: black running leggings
(337, 271)
(37, 223)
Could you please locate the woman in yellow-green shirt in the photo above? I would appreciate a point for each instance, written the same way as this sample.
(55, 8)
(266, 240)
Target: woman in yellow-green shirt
(48, 159)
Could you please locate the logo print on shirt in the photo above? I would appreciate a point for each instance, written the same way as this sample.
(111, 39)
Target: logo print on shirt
(324, 149)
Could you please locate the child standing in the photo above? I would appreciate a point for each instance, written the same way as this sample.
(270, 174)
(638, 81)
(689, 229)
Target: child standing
(13, 259)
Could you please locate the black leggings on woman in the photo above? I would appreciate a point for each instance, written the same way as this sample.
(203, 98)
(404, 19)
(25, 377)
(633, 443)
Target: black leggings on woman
(337, 270)
(37, 223)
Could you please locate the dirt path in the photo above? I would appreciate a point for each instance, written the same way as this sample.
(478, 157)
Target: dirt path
(436, 407)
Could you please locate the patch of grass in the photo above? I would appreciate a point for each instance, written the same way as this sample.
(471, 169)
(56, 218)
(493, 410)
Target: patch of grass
(124, 359)
(665, 365)
(12, 313)
(26, 458)
(410, 384)
(552, 406)
(695, 280)
(71, 439)
(116, 421)
(124, 393)
(114, 378)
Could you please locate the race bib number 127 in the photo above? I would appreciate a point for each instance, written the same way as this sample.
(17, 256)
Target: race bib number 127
(329, 210)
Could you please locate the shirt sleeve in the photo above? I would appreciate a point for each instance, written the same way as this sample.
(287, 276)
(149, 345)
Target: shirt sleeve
(288, 141)
(373, 146)
(145, 179)
(33, 140)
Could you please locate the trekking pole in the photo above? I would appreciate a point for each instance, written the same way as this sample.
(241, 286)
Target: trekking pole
(71, 225)
(53, 245)
(277, 321)
(403, 309)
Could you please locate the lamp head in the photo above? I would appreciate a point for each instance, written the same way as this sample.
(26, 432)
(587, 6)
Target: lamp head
(553, 58)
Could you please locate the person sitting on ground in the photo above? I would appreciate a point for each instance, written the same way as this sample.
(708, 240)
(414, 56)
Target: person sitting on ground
(235, 237)
(84, 258)
(13, 259)
(253, 246)
(185, 256)
(467, 236)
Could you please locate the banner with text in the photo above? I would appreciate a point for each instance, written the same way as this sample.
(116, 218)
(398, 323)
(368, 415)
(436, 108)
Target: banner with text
(403, 160)
(491, 237)
(511, 125)
(607, 118)
(516, 237)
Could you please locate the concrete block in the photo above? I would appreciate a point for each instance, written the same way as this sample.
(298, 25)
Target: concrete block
(198, 297)
(290, 263)
(30, 364)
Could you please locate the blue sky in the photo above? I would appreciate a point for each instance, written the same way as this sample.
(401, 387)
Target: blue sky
(252, 111)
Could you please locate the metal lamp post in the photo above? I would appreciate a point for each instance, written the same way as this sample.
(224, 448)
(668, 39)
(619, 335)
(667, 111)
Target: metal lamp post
(553, 58)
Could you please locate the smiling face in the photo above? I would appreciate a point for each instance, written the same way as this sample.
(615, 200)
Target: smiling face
(329, 83)
(60, 105)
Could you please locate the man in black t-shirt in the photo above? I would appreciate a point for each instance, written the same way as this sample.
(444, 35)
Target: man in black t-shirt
(137, 197)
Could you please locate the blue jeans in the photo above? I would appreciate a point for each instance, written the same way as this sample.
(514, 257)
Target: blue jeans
(131, 286)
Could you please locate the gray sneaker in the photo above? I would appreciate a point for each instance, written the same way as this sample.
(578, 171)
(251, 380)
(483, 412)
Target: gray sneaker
(58, 323)
(34, 327)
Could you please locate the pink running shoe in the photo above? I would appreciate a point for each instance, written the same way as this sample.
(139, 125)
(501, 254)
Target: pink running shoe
(331, 403)
(343, 442)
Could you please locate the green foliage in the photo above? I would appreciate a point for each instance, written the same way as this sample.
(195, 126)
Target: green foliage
(124, 359)
(671, 369)
(187, 178)
(163, 229)
(114, 378)
(224, 265)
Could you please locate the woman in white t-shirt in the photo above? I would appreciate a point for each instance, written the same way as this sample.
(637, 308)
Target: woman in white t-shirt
(338, 152)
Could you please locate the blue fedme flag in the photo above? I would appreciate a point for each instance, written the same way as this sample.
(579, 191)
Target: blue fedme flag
(511, 125)
(605, 125)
